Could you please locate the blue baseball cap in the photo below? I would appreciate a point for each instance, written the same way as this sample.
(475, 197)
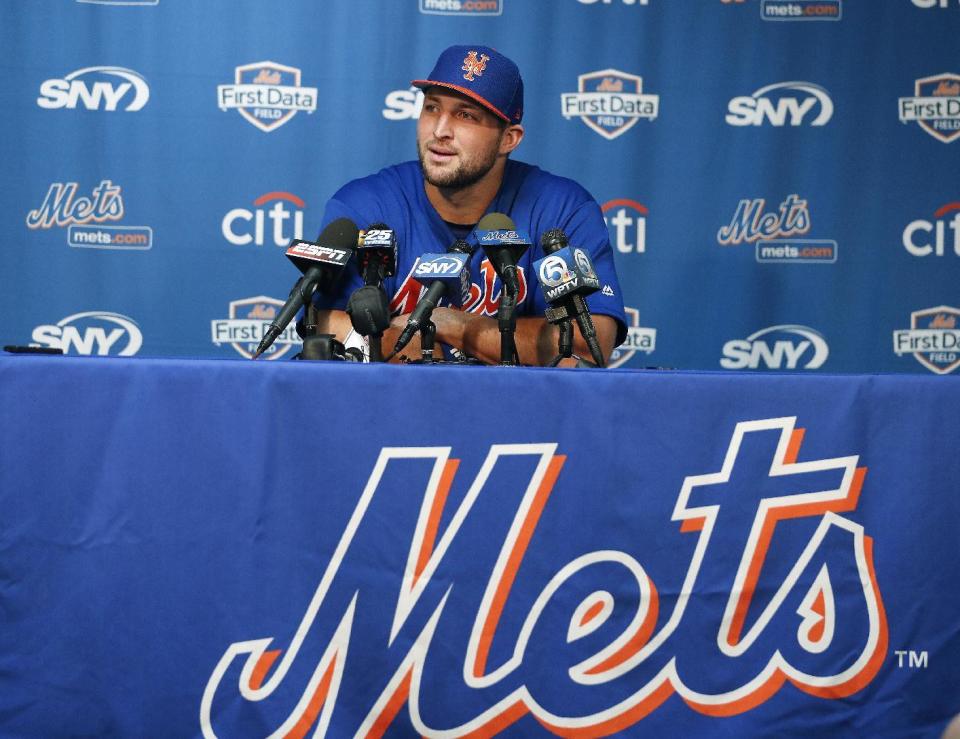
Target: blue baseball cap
(483, 74)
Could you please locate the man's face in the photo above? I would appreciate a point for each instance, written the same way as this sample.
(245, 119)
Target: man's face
(458, 140)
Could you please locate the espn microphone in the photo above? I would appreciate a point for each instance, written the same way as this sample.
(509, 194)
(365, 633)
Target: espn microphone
(566, 275)
(445, 276)
(377, 254)
(503, 245)
(325, 258)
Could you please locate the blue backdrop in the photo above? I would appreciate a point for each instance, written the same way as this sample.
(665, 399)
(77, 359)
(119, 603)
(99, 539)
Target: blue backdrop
(779, 176)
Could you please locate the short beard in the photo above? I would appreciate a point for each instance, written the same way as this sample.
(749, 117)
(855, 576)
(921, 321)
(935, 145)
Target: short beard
(465, 175)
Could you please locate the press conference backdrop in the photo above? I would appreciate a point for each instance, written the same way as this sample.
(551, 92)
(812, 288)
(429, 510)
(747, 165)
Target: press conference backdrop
(779, 177)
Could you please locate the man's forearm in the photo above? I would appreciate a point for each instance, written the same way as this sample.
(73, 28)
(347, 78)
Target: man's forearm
(479, 336)
(536, 339)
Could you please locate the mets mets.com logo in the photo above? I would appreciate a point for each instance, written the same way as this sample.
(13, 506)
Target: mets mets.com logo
(597, 645)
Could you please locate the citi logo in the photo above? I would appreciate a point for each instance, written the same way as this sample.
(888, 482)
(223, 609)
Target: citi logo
(922, 238)
(627, 221)
(782, 104)
(96, 88)
(92, 333)
(798, 347)
(242, 226)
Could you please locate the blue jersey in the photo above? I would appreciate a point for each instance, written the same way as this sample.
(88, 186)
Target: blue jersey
(535, 200)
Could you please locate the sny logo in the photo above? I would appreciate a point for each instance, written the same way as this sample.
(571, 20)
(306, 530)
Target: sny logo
(786, 352)
(587, 650)
(97, 88)
(775, 105)
(91, 333)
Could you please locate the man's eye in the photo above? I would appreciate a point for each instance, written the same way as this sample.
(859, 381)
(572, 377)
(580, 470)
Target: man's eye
(466, 115)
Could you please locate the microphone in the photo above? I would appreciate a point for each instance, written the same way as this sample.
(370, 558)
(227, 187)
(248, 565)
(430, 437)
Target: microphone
(377, 254)
(566, 275)
(445, 276)
(320, 261)
(368, 307)
(369, 312)
(503, 245)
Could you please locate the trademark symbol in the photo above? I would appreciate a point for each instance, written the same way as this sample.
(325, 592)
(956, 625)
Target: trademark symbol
(911, 659)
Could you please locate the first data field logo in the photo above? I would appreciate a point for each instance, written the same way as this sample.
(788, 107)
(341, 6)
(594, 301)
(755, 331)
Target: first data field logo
(935, 106)
(267, 94)
(933, 339)
(638, 340)
(249, 319)
(610, 102)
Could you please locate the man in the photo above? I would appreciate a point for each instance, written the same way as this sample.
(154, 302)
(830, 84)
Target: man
(469, 126)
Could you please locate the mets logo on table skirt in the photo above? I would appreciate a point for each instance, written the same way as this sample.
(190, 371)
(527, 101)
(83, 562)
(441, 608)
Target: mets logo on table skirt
(598, 645)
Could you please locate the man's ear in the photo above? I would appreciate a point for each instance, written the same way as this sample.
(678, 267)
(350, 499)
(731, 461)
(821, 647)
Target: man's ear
(512, 136)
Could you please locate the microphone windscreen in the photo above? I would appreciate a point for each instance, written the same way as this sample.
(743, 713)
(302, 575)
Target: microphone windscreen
(341, 233)
(496, 222)
(553, 240)
(369, 311)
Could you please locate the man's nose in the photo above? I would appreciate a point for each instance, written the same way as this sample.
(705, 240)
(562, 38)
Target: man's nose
(442, 129)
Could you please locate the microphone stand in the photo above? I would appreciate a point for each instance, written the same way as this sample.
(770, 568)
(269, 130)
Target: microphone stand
(376, 347)
(561, 318)
(507, 323)
(428, 333)
(374, 275)
(310, 321)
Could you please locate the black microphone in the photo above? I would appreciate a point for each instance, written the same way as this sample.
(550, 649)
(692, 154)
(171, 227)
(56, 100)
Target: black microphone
(579, 281)
(377, 254)
(369, 312)
(317, 261)
(503, 245)
(447, 275)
